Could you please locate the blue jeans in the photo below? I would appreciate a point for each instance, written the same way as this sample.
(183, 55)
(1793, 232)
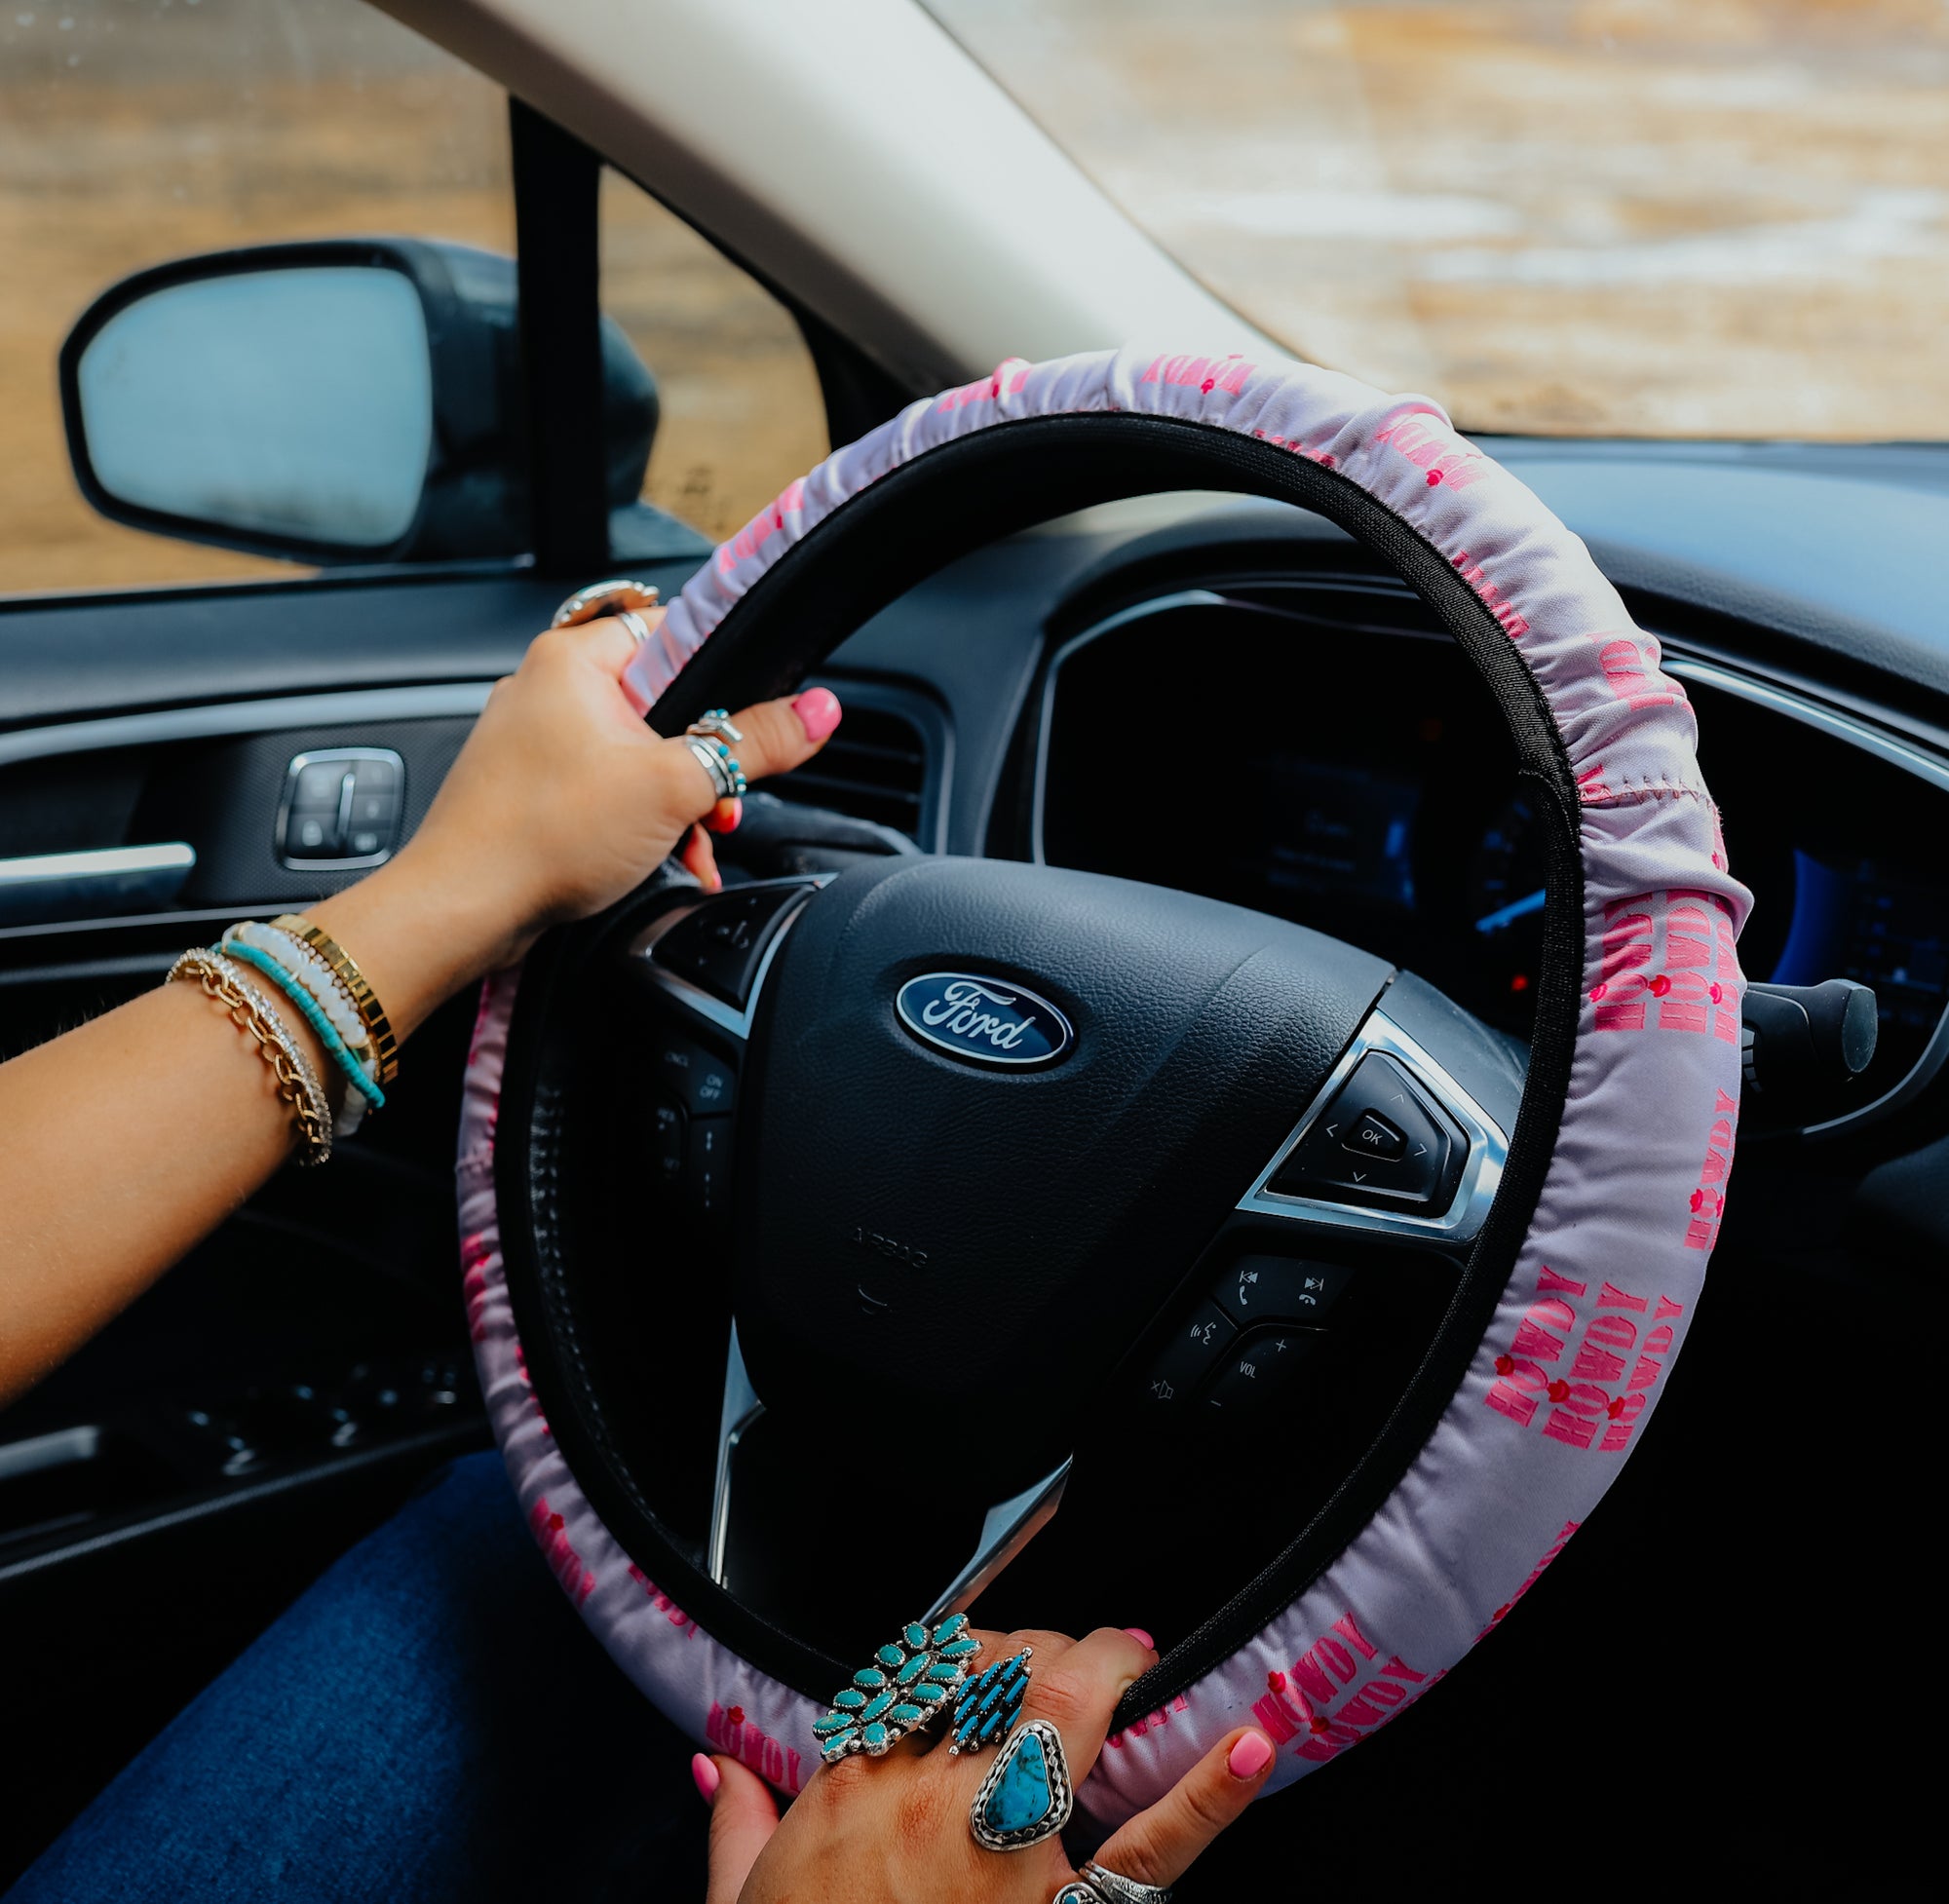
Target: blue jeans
(429, 1722)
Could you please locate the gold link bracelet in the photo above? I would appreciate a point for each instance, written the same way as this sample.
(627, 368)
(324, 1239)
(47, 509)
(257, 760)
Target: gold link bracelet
(271, 1046)
(371, 1013)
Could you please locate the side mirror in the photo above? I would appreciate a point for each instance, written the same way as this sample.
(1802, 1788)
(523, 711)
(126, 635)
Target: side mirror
(346, 400)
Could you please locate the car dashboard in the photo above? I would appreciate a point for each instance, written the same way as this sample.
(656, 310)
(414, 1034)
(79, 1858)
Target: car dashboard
(1215, 693)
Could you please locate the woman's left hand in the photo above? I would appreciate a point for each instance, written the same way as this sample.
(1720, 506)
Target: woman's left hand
(894, 1830)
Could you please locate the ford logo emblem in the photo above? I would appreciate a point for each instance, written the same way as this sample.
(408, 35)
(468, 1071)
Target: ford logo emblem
(983, 1020)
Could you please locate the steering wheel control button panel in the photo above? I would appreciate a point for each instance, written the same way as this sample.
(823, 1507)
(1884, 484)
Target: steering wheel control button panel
(719, 945)
(710, 956)
(1260, 1368)
(341, 809)
(706, 1085)
(1192, 1353)
(707, 1173)
(1391, 1146)
(667, 1144)
(1278, 1288)
(1381, 1142)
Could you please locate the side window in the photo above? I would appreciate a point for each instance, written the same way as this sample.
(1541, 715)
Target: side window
(741, 409)
(136, 132)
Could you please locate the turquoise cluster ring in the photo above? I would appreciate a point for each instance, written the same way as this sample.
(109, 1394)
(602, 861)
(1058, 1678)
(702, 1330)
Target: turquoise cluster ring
(1027, 1795)
(910, 1680)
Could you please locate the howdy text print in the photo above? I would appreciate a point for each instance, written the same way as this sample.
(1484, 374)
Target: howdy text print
(1339, 1690)
(728, 1730)
(1591, 1399)
(1668, 964)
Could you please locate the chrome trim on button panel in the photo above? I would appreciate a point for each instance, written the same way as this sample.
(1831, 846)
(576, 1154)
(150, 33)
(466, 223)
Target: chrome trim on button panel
(1481, 1175)
(694, 997)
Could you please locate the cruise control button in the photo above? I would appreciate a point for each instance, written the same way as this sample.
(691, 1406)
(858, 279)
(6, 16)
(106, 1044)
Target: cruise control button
(1189, 1356)
(1419, 1179)
(706, 1178)
(1261, 1367)
(706, 1085)
(1280, 1288)
(668, 1143)
(719, 945)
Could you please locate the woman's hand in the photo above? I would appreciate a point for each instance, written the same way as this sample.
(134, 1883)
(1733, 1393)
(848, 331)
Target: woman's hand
(561, 801)
(132, 1136)
(894, 1830)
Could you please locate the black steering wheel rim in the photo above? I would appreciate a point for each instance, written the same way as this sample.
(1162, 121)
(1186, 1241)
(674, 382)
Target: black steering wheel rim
(901, 528)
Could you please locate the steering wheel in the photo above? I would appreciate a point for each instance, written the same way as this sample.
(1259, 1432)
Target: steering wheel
(1029, 1164)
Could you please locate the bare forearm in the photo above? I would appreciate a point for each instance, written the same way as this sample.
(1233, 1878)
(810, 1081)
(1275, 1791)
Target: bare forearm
(132, 1138)
(126, 1142)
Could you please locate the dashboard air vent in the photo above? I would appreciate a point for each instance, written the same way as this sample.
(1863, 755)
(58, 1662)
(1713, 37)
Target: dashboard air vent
(874, 768)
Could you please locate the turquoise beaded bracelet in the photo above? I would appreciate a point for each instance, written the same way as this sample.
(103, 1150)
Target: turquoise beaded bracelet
(328, 1032)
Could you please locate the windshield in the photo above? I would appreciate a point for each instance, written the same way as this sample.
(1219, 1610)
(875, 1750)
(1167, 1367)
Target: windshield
(1590, 217)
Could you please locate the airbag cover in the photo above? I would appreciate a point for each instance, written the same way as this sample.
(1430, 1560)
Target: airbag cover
(906, 1203)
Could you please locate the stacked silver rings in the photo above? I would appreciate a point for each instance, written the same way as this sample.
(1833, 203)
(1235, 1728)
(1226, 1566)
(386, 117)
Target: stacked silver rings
(708, 739)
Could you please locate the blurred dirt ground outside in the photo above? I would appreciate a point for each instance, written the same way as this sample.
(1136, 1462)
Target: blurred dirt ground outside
(1668, 218)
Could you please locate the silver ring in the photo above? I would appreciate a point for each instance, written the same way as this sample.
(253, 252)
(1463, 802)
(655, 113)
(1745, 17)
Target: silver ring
(716, 726)
(1026, 1796)
(1116, 1888)
(639, 629)
(727, 778)
(603, 598)
(1079, 1890)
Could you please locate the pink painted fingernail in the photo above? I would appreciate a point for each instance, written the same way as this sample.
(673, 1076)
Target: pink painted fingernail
(1142, 1638)
(724, 816)
(706, 1777)
(1248, 1758)
(819, 711)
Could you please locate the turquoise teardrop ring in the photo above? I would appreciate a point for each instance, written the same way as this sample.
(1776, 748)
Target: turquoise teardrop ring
(911, 1678)
(1026, 1796)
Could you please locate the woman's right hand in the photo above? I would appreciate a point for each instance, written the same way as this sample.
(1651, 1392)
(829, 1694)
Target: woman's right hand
(561, 801)
(894, 1830)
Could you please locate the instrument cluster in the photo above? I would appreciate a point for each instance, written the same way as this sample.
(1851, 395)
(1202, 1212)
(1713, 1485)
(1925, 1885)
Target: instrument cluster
(1352, 773)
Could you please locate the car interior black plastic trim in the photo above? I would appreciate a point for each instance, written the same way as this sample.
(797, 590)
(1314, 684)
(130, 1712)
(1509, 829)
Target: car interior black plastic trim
(894, 533)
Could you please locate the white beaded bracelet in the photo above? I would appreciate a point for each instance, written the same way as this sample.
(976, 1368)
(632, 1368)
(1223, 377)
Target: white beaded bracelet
(320, 981)
(327, 992)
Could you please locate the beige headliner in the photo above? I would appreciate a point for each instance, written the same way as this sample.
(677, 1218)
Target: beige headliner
(853, 154)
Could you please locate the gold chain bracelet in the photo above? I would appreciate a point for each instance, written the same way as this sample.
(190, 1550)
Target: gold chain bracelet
(294, 1087)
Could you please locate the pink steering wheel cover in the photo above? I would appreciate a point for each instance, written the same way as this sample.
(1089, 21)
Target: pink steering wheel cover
(1605, 1286)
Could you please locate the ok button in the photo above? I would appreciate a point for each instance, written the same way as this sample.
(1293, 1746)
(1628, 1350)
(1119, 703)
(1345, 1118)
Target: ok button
(1372, 1135)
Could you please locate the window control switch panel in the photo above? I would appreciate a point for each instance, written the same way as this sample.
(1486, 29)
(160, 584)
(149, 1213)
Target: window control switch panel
(341, 809)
